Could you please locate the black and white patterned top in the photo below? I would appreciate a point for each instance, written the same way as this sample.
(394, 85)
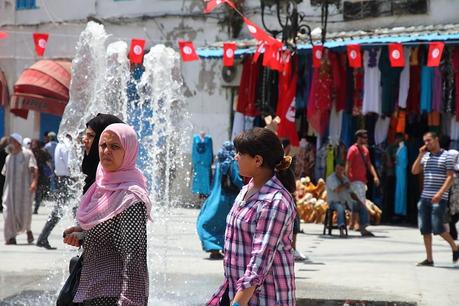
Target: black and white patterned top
(115, 268)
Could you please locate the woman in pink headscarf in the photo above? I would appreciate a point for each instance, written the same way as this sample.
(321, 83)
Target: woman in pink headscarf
(112, 218)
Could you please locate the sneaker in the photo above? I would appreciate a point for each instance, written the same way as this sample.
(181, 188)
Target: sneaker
(298, 256)
(425, 263)
(456, 255)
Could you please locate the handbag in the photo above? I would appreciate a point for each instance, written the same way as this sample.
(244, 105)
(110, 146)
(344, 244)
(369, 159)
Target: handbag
(70, 287)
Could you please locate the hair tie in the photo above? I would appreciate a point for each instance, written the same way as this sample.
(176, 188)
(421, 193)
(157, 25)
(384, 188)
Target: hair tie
(284, 163)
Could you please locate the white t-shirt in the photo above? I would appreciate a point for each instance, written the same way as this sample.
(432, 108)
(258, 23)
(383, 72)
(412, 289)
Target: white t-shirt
(61, 160)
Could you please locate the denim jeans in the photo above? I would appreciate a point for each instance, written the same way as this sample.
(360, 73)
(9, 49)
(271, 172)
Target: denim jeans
(430, 216)
(340, 212)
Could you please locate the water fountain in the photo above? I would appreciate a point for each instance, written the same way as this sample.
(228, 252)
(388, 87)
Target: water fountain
(100, 80)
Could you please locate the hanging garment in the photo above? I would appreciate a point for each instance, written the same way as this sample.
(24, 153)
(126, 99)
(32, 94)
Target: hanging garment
(404, 79)
(320, 99)
(381, 129)
(414, 92)
(401, 122)
(338, 64)
(334, 130)
(449, 92)
(211, 222)
(238, 124)
(390, 82)
(433, 121)
(370, 124)
(349, 90)
(455, 61)
(358, 92)
(321, 162)
(401, 164)
(372, 82)
(305, 159)
(266, 91)
(304, 81)
(426, 88)
(454, 132)
(201, 158)
(437, 90)
(247, 89)
(286, 105)
(347, 129)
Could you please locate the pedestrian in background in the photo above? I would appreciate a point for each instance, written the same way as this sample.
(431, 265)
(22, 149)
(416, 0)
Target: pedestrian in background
(438, 168)
(113, 217)
(358, 165)
(259, 263)
(62, 157)
(21, 178)
(50, 147)
(44, 173)
(211, 222)
(3, 154)
(91, 136)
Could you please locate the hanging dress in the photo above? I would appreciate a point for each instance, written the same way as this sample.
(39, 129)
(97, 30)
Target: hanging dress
(202, 155)
(400, 180)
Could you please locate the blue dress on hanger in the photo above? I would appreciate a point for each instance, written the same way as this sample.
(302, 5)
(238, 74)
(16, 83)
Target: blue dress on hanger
(211, 222)
(401, 158)
(201, 157)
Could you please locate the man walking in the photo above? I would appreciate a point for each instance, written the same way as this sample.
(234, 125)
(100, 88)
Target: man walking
(438, 167)
(62, 171)
(358, 163)
(21, 176)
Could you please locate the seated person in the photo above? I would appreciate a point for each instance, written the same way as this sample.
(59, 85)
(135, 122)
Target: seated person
(338, 194)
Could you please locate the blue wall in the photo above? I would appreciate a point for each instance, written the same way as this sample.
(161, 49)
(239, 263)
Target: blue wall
(49, 123)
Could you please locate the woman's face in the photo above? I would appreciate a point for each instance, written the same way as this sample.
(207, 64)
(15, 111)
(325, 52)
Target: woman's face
(248, 165)
(88, 138)
(111, 152)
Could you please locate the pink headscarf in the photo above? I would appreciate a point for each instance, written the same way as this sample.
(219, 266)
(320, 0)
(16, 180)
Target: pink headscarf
(114, 192)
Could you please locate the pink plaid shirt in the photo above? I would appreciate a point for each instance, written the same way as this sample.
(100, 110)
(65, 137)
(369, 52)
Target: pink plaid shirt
(258, 247)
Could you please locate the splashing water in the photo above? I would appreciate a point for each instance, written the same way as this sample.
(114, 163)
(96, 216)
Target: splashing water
(156, 109)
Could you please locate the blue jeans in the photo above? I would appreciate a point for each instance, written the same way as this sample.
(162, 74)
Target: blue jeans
(430, 217)
(363, 214)
(340, 212)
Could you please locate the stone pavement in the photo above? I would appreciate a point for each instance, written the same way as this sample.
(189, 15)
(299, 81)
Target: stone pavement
(354, 269)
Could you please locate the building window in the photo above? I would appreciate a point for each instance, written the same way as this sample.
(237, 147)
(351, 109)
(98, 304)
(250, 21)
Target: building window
(25, 4)
(361, 9)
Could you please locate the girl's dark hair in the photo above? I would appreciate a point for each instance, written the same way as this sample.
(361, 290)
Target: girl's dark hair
(263, 142)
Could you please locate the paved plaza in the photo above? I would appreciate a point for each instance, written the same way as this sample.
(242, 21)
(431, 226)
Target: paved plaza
(354, 269)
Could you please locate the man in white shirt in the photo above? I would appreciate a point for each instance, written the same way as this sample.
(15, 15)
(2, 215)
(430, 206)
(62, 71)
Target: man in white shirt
(62, 156)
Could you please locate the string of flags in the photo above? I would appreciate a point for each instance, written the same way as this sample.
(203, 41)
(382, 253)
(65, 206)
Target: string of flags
(275, 55)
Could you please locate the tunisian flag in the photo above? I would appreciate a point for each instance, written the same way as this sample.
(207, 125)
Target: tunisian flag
(435, 53)
(397, 59)
(210, 5)
(40, 40)
(228, 54)
(136, 51)
(317, 52)
(188, 51)
(354, 56)
(286, 104)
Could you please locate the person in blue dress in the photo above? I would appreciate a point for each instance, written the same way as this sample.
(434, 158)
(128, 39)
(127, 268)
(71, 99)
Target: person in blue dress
(401, 163)
(211, 222)
(202, 158)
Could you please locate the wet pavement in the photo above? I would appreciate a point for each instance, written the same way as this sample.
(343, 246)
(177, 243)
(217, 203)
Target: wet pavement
(353, 271)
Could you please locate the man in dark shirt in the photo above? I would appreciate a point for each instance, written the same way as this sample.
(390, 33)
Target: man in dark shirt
(438, 167)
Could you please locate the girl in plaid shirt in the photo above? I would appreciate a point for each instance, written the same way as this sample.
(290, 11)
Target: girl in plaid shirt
(258, 260)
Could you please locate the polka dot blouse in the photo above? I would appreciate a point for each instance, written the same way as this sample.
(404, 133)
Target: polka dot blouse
(115, 268)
